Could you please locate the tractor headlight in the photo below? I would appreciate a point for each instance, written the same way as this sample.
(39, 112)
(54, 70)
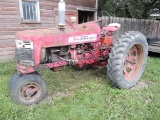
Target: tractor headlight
(24, 44)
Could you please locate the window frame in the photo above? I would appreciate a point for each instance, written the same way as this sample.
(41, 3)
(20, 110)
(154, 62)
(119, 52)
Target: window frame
(37, 11)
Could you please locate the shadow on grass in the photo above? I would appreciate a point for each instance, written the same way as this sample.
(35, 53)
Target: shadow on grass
(70, 79)
(153, 54)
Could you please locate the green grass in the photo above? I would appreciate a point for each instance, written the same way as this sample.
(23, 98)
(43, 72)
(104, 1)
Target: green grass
(86, 95)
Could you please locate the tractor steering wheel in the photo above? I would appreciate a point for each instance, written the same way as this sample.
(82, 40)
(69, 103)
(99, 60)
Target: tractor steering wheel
(103, 18)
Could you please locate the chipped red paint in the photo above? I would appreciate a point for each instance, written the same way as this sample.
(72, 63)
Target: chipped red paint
(56, 64)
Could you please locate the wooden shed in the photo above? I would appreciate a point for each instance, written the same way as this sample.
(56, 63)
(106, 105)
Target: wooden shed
(17, 15)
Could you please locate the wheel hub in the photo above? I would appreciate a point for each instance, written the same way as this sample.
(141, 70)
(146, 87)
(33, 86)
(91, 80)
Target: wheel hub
(133, 62)
(30, 92)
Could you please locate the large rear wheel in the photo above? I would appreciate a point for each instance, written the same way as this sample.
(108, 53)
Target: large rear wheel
(127, 60)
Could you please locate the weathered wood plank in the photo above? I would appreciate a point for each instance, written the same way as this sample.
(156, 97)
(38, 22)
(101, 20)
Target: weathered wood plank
(11, 4)
(9, 13)
(7, 53)
(158, 31)
(7, 49)
(6, 58)
(15, 17)
(9, 9)
(7, 45)
(7, 41)
(86, 3)
(6, 37)
(155, 28)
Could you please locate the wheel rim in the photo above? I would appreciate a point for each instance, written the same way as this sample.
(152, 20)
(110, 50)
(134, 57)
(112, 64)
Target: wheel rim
(30, 92)
(133, 62)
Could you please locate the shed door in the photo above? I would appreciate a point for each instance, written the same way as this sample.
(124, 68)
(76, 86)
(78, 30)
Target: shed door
(85, 16)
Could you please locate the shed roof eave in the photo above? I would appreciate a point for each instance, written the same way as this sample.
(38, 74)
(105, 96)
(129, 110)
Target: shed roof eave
(86, 9)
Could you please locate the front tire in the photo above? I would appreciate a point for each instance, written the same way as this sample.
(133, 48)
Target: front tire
(127, 60)
(28, 89)
(13, 79)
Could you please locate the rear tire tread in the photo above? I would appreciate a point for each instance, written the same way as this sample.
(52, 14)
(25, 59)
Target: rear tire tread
(115, 61)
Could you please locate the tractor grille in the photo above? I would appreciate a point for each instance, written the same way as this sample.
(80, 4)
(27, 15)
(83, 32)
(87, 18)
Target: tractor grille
(24, 56)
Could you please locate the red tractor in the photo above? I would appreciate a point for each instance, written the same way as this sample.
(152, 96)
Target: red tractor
(80, 46)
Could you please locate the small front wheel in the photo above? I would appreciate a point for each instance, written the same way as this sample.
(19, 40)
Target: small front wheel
(28, 89)
(13, 79)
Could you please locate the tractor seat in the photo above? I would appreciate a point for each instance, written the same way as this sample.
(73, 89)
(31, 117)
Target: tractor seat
(112, 27)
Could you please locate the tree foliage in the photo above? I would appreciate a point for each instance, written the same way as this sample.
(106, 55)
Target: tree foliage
(130, 8)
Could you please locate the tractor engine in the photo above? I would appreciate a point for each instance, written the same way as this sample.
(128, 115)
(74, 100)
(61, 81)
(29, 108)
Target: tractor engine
(54, 54)
(76, 55)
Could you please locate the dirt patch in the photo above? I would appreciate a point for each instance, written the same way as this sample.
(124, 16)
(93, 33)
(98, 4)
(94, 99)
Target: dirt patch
(49, 99)
(70, 92)
(141, 85)
(63, 94)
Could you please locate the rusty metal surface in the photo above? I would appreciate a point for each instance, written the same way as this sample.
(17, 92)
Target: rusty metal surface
(30, 92)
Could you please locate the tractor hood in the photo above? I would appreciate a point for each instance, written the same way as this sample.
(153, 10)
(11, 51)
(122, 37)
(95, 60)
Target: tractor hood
(53, 37)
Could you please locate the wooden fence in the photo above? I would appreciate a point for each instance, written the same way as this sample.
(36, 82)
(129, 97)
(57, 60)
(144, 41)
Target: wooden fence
(150, 28)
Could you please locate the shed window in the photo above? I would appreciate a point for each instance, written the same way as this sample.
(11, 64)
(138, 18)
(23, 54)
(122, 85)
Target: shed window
(30, 10)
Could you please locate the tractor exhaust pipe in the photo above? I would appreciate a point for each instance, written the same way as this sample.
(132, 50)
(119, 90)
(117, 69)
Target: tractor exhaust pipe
(61, 14)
